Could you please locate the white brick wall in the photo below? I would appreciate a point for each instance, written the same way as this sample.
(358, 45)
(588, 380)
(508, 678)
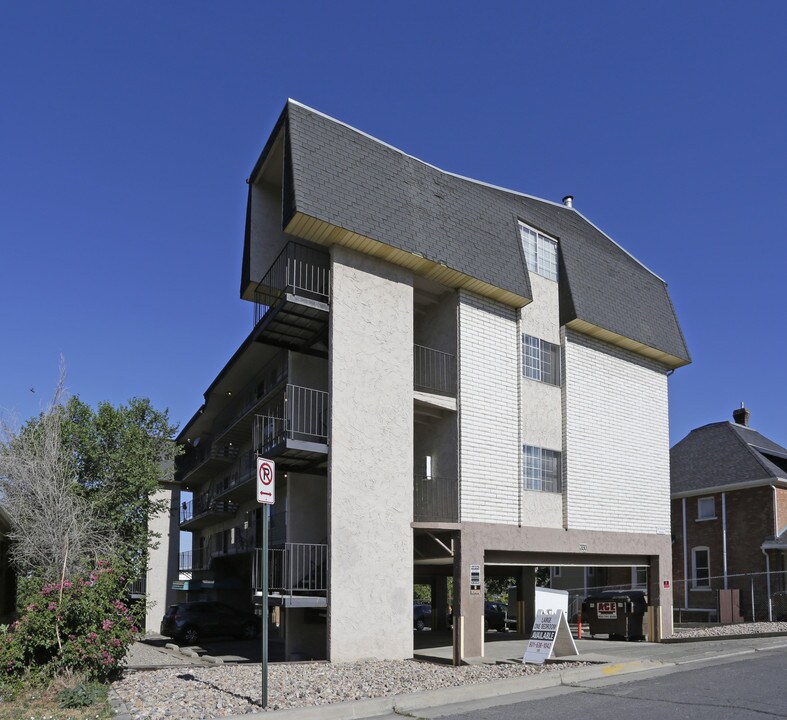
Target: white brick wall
(616, 439)
(488, 410)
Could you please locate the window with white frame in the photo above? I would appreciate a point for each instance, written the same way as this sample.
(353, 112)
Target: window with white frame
(706, 508)
(555, 572)
(540, 252)
(542, 469)
(700, 568)
(541, 360)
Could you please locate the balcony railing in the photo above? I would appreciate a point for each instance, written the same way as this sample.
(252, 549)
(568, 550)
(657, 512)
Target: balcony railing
(272, 376)
(298, 270)
(236, 540)
(137, 587)
(434, 371)
(204, 452)
(302, 414)
(192, 560)
(435, 499)
(205, 505)
(295, 568)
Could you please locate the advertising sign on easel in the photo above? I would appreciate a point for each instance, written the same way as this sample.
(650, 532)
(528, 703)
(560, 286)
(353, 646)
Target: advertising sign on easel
(551, 637)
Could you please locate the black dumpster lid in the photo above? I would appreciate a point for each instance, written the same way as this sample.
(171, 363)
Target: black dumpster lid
(632, 595)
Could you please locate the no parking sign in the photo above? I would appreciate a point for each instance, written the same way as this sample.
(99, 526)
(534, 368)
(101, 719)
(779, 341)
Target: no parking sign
(266, 485)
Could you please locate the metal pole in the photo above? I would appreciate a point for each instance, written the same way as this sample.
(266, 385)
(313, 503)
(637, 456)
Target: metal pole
(264, 583)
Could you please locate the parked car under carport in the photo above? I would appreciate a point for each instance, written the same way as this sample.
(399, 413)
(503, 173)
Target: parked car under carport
(192, 621)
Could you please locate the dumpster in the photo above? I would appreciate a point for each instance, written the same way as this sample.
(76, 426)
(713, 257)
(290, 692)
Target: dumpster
(617, 613)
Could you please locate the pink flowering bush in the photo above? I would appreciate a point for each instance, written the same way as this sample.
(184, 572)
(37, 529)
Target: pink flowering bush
(85, 626)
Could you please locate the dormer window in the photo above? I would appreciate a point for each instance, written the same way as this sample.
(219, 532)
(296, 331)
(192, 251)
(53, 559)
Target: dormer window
(540, 252)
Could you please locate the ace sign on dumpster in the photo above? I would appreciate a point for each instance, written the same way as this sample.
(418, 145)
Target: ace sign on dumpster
(266, 481)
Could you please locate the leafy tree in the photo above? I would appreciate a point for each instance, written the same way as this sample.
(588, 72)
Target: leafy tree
(120, 455)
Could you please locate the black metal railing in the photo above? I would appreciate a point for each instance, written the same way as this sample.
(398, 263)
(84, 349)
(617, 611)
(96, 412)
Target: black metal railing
(239, 539)
(298, 270)
(435, 499)
(300, 414)
(137, 587)
(192, 560)
(203, 452)
(294, 568)
(273, 375)
(204, 505)
(434, 371)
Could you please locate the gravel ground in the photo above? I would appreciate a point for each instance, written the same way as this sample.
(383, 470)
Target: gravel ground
(198, 693)
(724, 630)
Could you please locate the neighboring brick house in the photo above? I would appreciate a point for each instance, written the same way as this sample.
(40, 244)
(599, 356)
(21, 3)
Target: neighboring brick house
(7, 573)
(454, 380)
(729, 518)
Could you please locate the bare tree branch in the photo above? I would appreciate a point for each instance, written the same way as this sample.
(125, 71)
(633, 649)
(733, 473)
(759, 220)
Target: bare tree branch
(53, 528)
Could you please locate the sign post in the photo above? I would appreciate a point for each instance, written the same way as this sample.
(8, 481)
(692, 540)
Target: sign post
(266, 495)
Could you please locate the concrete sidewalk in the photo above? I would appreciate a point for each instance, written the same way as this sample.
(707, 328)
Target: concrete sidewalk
(612, 662)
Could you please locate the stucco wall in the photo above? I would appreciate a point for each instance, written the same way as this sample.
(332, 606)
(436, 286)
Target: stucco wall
(163, 559)
(436, 327)
(308, 371)
(371, 459)
(490, 449)
(267, 237)
(616, 445)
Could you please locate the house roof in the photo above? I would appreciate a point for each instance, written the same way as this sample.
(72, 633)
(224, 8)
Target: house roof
(724, 454)
(341, 186)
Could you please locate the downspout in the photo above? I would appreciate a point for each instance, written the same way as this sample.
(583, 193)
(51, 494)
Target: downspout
(724, 535)
(685, 561)
(775, 513)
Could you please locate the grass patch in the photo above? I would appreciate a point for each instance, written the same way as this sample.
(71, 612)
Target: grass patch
(46, 704)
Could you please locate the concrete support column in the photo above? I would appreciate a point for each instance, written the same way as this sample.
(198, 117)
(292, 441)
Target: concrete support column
(660, 597)
(526, 599)
(468, 603)
(439, 602)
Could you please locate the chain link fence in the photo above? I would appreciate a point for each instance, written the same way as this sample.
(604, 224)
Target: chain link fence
(745, 597)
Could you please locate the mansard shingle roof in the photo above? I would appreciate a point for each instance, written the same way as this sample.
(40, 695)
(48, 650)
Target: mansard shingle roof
(350, 180)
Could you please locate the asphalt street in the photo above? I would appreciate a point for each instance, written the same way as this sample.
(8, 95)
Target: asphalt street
(746, 689)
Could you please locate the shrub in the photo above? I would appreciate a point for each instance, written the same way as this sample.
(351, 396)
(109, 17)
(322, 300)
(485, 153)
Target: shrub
(82, 626)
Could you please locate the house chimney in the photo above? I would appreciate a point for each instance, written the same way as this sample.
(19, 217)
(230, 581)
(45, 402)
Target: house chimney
(741, 415)
(568, 201)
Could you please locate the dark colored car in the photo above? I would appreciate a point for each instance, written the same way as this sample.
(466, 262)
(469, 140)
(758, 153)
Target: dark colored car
(494, 616)
(191, 621)
(422, 616)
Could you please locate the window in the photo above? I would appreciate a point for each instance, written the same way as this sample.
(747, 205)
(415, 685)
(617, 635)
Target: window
(541, 360)
(706, 508)
(639, 577)
(540, 252)
(700, 568)
(542, 469)
(555, 572)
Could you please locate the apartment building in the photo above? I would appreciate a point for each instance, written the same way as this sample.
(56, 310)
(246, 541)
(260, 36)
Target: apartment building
(455, 380)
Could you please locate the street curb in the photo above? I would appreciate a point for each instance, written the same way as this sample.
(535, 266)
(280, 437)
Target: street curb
(407, 703)
(707, 638)
(119, 709)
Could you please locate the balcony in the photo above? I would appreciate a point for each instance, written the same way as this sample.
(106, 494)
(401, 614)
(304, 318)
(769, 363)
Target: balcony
(294, 428)
(235, 541)
(297, 574)
(194, 560)
(236, 486)
(291, 300)
(434, 371)
(435, 500)
(200, 462)
(203, 511)
(234, 423)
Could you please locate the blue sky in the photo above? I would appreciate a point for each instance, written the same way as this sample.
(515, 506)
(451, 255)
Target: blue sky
(127, 131)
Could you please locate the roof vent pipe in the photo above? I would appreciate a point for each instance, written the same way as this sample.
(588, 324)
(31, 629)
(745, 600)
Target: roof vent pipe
(568, 201)
(741, 415)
